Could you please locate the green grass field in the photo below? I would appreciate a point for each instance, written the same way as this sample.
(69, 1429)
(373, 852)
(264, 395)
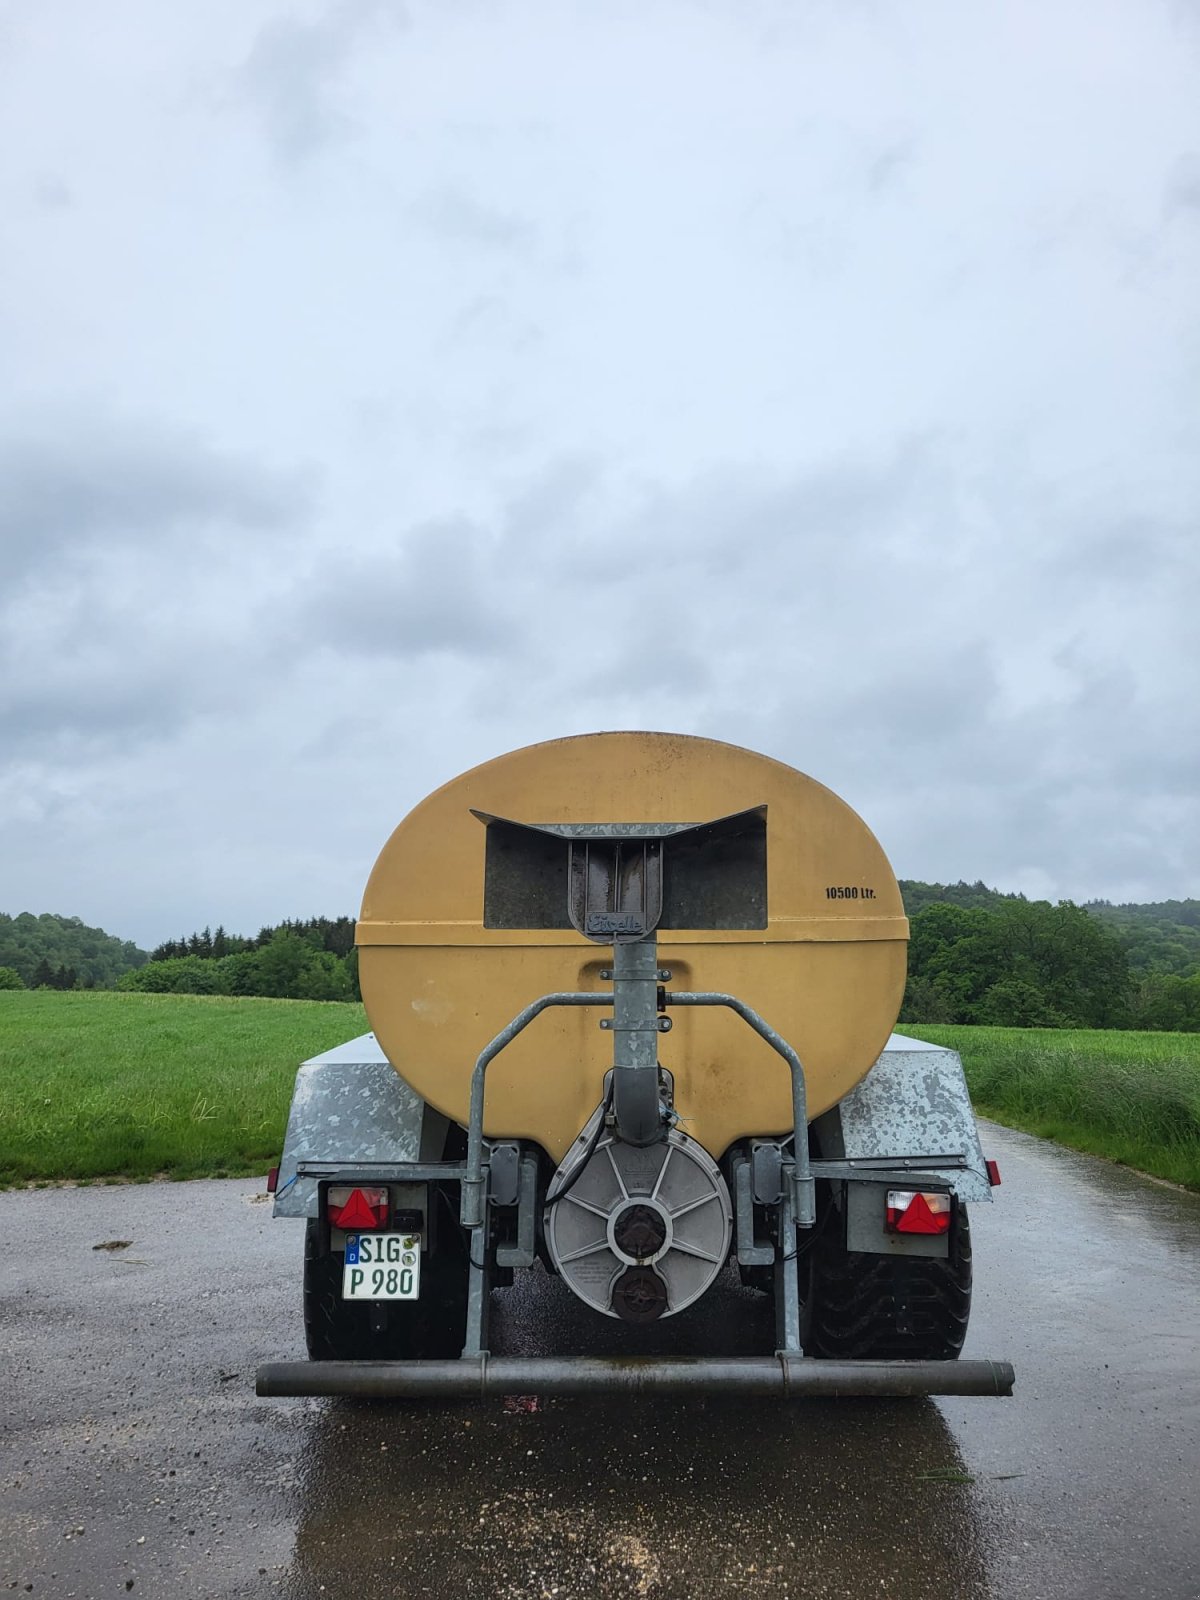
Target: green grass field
(96, 1085)
(1133, 1097)
(101, 1085)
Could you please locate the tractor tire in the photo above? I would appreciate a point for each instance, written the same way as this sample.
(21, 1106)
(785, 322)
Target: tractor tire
(863, 1307)
(431, 1328)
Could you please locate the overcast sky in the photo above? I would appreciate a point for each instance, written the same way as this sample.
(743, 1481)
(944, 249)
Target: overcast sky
(385, 386)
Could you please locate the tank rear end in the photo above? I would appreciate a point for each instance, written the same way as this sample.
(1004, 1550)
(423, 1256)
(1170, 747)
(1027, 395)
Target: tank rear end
(632, 998)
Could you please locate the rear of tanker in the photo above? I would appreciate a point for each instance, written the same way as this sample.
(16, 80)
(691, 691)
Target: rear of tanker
(632, 999)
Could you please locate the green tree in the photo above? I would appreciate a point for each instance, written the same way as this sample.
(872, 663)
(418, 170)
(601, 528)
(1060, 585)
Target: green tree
(1019, 964)
(10, 978)
(1168, 1003)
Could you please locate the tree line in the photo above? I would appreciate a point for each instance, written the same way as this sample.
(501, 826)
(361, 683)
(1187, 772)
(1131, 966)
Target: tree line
(314, 959)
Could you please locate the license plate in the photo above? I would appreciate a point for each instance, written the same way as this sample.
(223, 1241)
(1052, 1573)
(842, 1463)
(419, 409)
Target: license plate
(382, 1266)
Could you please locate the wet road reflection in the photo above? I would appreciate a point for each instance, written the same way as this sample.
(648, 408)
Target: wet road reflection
(829, 1498)
(664, 1498)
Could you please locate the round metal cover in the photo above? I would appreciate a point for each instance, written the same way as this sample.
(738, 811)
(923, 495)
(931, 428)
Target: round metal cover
(662, 1210)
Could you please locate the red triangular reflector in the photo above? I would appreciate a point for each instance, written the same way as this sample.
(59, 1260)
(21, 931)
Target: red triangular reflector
(918, 1218)
(356, 1213)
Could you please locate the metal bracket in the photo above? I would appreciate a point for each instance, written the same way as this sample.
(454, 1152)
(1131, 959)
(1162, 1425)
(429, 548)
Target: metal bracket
(657, 1025)
(766, 1168)
(381, 1171)
(885, 1169)
(504, 1162)
(749, 1253)
(524, 1252)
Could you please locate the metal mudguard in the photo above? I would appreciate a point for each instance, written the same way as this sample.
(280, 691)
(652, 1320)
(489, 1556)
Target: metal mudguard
(351, 1108)
(912, 1104)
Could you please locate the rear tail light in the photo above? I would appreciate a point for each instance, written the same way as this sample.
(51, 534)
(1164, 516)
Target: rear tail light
(356, 1209)
(993, 1172)
(917, 1211)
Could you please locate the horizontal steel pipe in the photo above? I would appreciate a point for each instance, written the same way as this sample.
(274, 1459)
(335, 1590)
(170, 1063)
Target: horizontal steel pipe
(783, 1377)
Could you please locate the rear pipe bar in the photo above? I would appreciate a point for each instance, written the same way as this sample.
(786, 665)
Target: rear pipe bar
(804, 1205)
(781, 1377)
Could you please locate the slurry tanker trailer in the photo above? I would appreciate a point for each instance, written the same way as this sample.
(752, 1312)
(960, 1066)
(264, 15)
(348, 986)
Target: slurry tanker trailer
(632, 997)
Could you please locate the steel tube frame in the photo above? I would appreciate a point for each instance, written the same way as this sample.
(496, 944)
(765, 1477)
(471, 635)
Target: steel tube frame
(472, 1208)
(804, 1205)
(786, 1377)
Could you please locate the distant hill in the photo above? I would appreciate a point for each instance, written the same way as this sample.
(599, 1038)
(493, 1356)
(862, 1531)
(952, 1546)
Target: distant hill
(64, 952)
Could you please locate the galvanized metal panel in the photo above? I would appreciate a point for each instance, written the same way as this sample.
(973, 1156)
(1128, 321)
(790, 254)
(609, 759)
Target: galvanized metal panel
(914, 1102)
(349, 1105)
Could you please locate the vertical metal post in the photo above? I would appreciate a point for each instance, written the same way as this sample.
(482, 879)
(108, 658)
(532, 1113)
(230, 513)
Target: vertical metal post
(478, 1294)
(787, 1283)
(636, 1104)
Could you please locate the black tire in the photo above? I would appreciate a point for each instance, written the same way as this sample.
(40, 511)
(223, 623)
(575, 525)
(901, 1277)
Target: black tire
(431, 1328)
(888, 1308)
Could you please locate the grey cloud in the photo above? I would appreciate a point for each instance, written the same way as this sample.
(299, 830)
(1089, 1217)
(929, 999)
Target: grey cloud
(945, 699)
(116, 695)
(889, 165)
(51, 192)
(433, 594)
(460, 218)
(108, 659)
(544, 510)
(1183, 186)
(128, 607)
(732, 527)
(1131, 551)
(293, 65)
(82, 478)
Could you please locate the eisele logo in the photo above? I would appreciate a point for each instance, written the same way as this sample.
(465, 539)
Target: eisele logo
(614, 922)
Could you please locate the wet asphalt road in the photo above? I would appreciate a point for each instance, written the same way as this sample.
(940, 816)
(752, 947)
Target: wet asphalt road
(135, 1458)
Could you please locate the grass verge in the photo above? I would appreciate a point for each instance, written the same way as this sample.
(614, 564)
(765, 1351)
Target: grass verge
(96, 1085)
(1132, 1097)
(102, 1085)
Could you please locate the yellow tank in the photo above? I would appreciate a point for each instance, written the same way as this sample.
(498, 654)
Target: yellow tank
(825, 966)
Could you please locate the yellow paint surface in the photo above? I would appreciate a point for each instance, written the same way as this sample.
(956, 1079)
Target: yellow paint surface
(827, 973)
